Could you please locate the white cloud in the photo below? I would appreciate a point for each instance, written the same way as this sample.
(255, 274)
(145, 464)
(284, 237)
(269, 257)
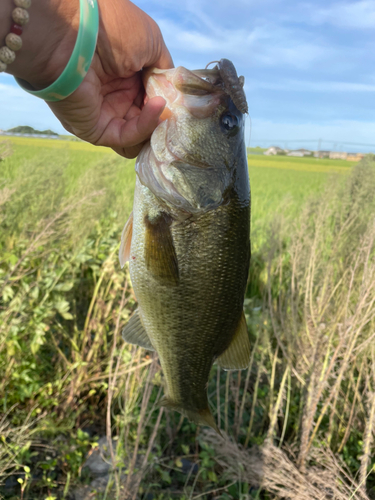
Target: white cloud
(359, 15)
(194, 41)
(278, 46)
(266, 45)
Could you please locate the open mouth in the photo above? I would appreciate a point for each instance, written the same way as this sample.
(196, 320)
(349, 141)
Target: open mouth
(195, 101)
(189, 95)
(198, 91)
(196, 82)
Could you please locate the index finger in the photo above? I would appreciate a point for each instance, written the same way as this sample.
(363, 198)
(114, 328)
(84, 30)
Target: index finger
(165, 60)
(160, 56)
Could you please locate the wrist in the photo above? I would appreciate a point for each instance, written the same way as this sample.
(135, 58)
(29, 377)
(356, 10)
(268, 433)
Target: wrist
(5, 19)
(48, 40)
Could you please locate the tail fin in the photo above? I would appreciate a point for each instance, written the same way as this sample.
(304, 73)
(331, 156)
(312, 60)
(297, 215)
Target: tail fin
(202, 417)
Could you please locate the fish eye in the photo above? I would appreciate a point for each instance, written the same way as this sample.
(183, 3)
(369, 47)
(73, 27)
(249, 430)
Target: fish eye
(229, 121)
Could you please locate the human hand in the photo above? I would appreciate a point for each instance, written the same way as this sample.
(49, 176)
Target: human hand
(108, 108)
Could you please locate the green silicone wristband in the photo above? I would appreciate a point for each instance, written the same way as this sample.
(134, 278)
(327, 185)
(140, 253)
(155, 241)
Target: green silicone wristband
(80, 61)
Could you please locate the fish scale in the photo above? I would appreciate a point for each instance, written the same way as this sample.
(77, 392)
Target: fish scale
(205, 308)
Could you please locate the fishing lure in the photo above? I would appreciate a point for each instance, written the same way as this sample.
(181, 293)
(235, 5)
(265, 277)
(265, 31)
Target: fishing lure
(233, 85)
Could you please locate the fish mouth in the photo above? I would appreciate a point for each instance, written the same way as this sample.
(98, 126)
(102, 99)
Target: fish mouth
(170, 165)
(199, 91)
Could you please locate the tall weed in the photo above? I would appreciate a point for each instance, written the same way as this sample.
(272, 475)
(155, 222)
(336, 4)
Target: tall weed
(299, 422)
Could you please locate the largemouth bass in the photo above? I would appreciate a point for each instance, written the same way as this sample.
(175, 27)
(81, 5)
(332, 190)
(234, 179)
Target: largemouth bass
(188, 238)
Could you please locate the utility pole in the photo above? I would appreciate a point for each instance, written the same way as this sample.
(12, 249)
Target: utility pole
(319, 145)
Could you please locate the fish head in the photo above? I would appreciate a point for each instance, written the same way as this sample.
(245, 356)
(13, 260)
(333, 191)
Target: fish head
(192, 158)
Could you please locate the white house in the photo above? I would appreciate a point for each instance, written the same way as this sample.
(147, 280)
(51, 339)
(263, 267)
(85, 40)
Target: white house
(273, 150)
(300, 152)
(295, 153)
(337, 155)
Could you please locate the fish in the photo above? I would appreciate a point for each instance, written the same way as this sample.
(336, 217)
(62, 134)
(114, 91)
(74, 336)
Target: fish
(187, 239)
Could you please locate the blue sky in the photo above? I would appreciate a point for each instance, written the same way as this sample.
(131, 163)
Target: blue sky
(309, 67)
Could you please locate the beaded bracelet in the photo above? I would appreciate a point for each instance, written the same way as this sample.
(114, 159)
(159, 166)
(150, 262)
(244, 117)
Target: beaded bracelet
(13, 40)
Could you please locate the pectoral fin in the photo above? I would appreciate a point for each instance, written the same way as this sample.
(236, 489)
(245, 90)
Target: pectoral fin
(126, 239)
(237, 356)
(135, 333)
(160, 253)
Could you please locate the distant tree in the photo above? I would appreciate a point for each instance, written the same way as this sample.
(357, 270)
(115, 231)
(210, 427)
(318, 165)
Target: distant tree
(368, 160)
(25, 129)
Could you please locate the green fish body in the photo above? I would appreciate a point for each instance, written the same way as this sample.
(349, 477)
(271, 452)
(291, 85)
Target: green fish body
(188, 240)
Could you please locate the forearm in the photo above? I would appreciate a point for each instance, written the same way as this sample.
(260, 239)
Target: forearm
(108, 106)
(47, 39)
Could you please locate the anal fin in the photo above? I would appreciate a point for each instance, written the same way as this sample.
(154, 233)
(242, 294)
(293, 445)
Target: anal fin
(135, 333)
(126, 240)
(237, 355)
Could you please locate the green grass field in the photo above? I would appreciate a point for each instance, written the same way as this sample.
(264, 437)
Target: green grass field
(286, 181)
(299, 422)
(80, 167)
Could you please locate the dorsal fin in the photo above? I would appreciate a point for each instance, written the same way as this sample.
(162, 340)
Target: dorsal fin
(126, 240)
(135, 333)
(237, 355)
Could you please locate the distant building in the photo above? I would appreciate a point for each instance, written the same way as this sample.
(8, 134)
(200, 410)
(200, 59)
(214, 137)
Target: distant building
(337, 155)
(295, 153)
(322, 154)
(355, 156)
(300, 152)
(274, 150)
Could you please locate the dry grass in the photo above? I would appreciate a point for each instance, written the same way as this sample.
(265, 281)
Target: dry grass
(5, 194)
(5, 149)
(270, 468)
(318, 350)
(307, 398)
